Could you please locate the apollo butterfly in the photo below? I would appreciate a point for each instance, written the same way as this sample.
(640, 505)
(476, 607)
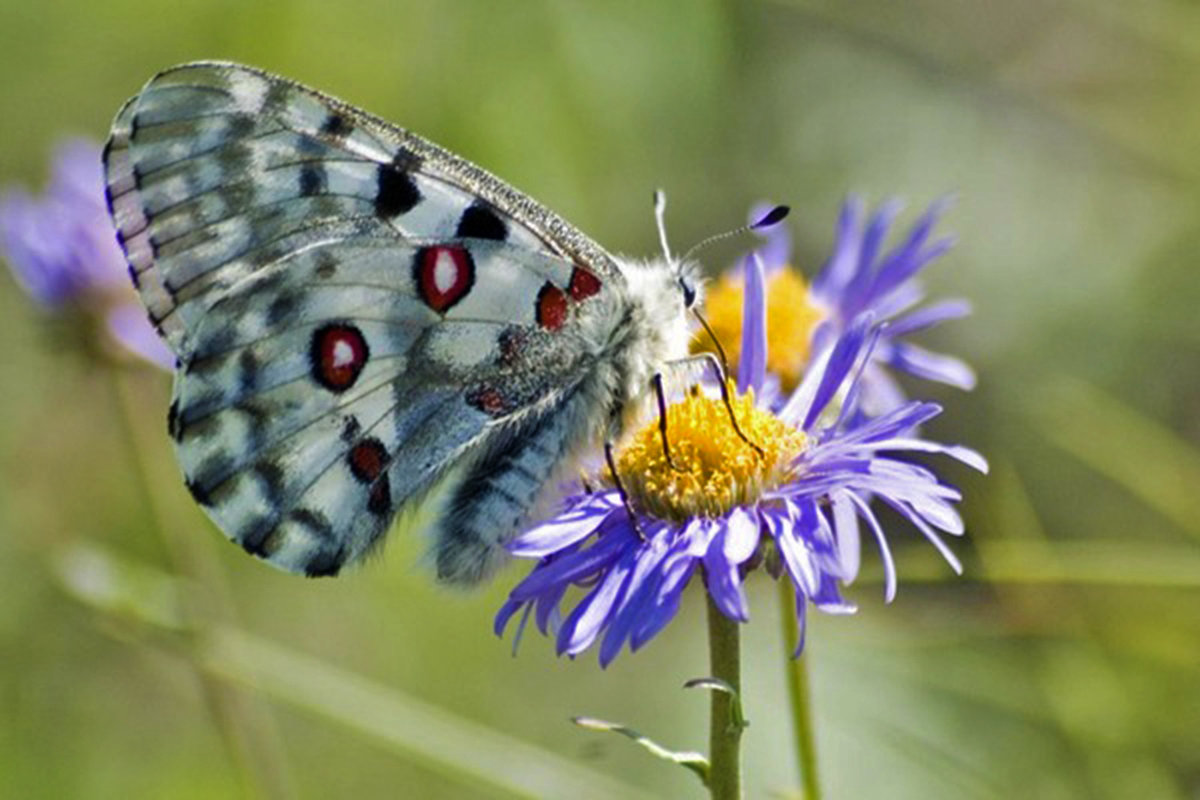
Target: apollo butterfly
(366, 323)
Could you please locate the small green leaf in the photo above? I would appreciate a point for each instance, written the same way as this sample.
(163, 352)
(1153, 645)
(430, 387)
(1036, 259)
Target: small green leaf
(693, 761)
(716, 684)
(736, 718)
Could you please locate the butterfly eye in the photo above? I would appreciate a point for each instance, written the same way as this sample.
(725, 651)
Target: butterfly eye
(689, 292)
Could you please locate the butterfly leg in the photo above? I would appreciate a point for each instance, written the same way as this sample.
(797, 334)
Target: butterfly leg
(661, 396)
(709, 360)
(612, 467)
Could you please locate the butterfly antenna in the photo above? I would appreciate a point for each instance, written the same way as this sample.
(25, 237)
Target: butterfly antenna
(660, 214)
(775, 215)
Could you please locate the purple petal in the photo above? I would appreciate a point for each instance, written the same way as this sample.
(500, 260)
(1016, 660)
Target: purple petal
(928, 533)
(741, 535)
(548, 616)
(801, 399)
(130, 327)
(930, 316)
(801, 624)
(879, 392)
(639, 594)
(752, 366)
(856, 296)
(897, 421)
(829, 599)
(846, 534)
(697, 535)
(839, 270)
(576, 566)
(595, 611)
(724, 581)
(907, 259)
(899, 300)
(956, 451)
(854, 381)
(845, 355)
(885, 552)
(561, 531)
(505, 613)
(932, 366)
(676, 571)
(789, 536)
(903, 264)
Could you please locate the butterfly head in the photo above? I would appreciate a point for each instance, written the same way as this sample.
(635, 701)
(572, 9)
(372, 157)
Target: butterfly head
(690, 284)
(686, 271)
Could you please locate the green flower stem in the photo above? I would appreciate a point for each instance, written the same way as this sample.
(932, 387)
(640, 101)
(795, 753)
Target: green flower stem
(244, 721)
(798, 693)
(726, 724)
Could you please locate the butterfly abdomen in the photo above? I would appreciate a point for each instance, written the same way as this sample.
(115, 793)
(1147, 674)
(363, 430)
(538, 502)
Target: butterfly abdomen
(499, 491)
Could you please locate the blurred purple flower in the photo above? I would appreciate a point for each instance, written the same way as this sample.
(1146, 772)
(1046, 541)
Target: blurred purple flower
(62, 250)
(807, 526)
(858, 278)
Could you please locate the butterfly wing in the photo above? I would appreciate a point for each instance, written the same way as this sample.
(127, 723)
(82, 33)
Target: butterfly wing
(359, 316)
(326, 392)
(216, 169)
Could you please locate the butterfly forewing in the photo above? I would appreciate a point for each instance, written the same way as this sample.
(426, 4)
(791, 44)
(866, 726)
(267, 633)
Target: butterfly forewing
(357, 313)
(214, 168)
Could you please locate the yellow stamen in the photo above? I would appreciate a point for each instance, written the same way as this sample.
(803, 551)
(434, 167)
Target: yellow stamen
(715, 469)
(791, 319)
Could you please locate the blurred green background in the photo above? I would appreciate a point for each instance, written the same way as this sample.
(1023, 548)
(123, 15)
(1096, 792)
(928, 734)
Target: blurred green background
(1066, 663)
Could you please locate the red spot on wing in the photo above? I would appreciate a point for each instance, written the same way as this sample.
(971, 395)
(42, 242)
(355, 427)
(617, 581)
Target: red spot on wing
(443, 276)
(338, 354)
(379, 501)
(368, 459)
(551, 307)
(583, 284)
(488, 400)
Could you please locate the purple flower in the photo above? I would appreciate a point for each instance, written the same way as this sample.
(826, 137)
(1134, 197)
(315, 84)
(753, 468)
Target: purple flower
(860, 277)
(62, 250)
(796, 509)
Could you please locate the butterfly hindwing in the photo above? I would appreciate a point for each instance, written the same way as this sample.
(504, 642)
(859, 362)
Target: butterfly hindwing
(216, 170)
(328, 390)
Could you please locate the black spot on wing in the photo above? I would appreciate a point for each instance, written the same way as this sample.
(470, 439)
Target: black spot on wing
(209, 477)
(315, 522)
(327, 265)
(350, 428)
(248, 371)
(271, 477)
(336, 126)
(481, 221)
(173, 427)
(396, 191)
(312, 179)
(326, 563)
(281, 308)
(256, 537)
(379, 502)
(407, 160)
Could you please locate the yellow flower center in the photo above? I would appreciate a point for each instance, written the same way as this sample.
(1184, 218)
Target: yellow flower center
(791, 319)
(714, 469)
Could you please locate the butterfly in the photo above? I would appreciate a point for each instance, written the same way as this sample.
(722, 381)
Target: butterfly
(367, 325)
